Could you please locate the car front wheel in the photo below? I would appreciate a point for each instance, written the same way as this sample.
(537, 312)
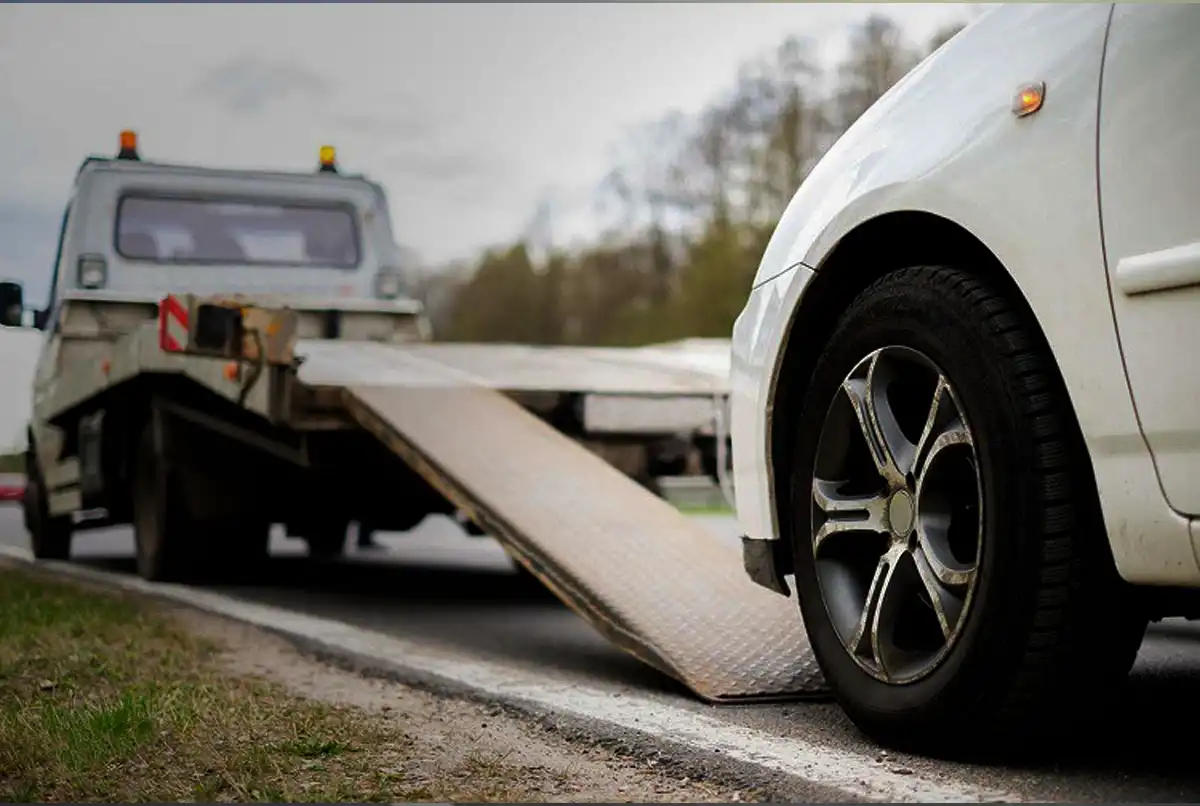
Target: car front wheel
(951, 563)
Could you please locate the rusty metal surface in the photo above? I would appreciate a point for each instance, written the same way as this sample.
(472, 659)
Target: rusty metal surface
(511, 367)
(652, 580)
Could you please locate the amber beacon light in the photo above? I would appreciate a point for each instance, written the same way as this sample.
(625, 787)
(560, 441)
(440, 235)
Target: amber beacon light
(1029, 99)
(129, 145)
(328, 159)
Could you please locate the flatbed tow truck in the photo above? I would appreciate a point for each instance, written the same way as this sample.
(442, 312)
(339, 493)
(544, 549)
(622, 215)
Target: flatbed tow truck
(227, 350)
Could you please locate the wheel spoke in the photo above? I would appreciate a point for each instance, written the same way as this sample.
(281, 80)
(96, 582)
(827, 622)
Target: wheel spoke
(953, 433)
(944, 573)
(862, 641)
(876, 421)
(946, 606)
(847, 513)
(887, 603)
(937, 410)
(933, 527)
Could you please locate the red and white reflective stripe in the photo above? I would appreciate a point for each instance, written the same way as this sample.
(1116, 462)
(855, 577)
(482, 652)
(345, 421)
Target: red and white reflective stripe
(172, 325)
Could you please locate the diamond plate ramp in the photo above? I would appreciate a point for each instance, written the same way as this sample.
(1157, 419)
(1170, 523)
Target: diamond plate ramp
(653, 581)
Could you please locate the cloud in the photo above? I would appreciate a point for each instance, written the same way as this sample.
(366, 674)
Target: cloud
(446, 167)
(465, 113)
(415, 126)
(247, 85)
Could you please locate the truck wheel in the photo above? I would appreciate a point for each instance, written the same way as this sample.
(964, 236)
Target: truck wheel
(49, 536)
(470, 527)
(164, 533)
(236, 549)
(951, 560)
(709, 462)
(326, 540)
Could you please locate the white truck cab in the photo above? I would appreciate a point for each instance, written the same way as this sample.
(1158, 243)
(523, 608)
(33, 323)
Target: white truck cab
(134, 228)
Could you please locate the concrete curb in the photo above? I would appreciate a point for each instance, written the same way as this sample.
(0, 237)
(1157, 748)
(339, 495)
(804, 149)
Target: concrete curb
(681, 739)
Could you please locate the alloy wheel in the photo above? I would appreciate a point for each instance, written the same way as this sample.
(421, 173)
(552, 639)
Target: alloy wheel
(897, 515)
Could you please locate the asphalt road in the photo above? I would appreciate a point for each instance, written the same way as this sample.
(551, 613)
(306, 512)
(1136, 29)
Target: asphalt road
(439, 586)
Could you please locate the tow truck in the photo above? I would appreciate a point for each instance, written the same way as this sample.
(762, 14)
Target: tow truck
(227, 350)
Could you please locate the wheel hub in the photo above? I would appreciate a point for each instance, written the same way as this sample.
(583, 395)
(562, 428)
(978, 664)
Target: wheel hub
(902, 512)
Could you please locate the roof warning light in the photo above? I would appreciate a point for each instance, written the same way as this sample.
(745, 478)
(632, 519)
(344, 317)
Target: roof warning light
(129, 145)
(328, 157)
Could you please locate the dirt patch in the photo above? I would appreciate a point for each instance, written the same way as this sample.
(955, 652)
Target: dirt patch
(456, 739)
(108, 697)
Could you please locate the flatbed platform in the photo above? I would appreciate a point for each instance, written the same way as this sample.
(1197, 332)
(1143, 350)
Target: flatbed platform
(508, 367)
(647, 577)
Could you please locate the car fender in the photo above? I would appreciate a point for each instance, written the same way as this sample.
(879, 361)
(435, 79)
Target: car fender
(944, 141)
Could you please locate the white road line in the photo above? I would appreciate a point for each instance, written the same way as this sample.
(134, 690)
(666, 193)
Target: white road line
(857, 775)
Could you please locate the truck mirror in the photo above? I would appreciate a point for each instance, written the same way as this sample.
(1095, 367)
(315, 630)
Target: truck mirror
(12, 304)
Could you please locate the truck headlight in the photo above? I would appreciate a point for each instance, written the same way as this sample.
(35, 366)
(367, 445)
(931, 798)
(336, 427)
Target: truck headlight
(93, 271)
(388, 285)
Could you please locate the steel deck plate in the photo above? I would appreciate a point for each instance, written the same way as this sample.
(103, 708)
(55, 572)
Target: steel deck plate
(653, 581)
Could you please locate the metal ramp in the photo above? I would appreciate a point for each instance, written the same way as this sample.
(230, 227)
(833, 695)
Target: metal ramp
(651, 580)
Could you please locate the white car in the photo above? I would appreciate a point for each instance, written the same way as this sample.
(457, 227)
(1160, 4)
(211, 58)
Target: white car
(966, 406)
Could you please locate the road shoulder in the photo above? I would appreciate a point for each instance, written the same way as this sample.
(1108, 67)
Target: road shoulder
(123, 697)
(686, 742)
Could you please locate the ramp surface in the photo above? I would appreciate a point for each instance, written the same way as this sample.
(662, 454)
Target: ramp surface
(650, 579)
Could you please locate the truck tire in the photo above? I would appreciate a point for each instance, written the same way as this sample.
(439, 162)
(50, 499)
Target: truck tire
(708, 459)
(668, 457)
(951, 560)
(237, 549)
(326, 540)
(49, 536)
(165, 534)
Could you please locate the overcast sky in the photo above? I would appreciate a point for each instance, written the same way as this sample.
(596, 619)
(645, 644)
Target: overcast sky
(468, 114)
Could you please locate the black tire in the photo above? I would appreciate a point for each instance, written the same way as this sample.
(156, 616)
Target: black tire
(526, 578)
(165, 533)
(1050, 623)
(364, 535)
(50, 537)
(234, 550)
(709, 462)
(326, 540)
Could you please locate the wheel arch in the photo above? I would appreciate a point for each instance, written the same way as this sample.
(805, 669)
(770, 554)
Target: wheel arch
(873, 249)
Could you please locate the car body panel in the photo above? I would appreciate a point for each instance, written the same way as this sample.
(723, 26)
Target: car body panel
(1150, 196)
(758, 336)
(944, 141)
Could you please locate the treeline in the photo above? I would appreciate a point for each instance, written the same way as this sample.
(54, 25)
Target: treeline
(693, 203)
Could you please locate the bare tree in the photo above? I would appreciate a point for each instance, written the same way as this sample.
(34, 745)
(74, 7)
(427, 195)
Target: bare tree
(944, 35)
(878, 58)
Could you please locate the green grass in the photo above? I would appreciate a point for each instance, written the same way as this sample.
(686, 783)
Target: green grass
(12, 463)
(104, 698)
(704, 509)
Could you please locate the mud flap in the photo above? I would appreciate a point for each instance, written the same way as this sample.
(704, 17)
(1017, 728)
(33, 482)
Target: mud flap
(653, 581)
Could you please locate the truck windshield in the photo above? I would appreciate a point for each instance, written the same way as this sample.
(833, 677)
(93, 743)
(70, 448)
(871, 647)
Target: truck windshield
(236, 231)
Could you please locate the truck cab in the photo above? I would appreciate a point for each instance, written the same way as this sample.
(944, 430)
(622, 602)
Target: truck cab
(134, 228)
(319, 244)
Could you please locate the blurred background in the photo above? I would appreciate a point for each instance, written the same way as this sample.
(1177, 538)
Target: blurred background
(558, 173)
